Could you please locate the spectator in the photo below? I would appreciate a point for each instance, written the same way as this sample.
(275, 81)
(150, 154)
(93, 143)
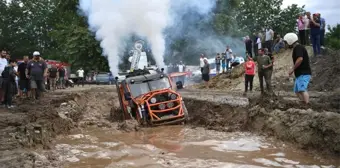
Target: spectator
(249, 44)
(23, 80)
(259, 42)
(307, 19)
(16, 93)
(301, 67)
(81, 79)
(205, 73)
(223, 60)
(323, 30)
(237, 60)
(9, 83)
(279, 43)
(302, 29)
(228, 53)
(249, 67)
(181, 67)
(264, 63)
(315, 34)
(202, 62)
(3, 64)
(255, 45)
(36, 71)
(53, 76)
(218, 63)
(269, 38)
(61, 79)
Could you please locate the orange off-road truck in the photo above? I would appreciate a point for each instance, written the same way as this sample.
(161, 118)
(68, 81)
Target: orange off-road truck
(147, 96)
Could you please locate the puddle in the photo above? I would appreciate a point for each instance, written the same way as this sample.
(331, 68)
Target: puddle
(178, 146)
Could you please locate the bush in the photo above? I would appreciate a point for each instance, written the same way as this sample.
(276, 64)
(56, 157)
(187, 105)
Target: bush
(333, 37)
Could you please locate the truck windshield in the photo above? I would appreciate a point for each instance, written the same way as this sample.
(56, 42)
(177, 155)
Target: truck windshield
(158, 84)
(138, 89)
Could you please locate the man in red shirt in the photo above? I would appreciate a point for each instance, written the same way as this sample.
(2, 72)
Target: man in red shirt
(249, 67)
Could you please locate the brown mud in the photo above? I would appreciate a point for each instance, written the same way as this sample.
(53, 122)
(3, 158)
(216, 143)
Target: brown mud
(28, 131)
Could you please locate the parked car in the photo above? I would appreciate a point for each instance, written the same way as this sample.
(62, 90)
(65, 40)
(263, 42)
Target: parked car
(104, 78)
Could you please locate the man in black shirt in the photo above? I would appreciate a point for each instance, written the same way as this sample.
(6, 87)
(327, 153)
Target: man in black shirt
(23, 81)
(53, 74)
(301, 67)
(8, 84)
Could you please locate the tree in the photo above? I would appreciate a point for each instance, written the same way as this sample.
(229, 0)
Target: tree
(333, 37)
(287, 20)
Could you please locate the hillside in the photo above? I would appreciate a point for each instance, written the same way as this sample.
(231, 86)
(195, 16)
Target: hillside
(324, 75)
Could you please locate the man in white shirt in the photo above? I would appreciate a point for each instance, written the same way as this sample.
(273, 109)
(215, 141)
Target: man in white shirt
(269, 39)
(202, 62)
(81, 79)
(3, 64)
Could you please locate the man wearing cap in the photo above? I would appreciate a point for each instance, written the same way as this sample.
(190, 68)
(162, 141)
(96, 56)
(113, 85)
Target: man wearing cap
(36, 71)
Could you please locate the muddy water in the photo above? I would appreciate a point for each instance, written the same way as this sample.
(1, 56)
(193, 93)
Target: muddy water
(179, 146)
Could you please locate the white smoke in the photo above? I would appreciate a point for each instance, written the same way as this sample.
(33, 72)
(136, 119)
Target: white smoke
(114, 20)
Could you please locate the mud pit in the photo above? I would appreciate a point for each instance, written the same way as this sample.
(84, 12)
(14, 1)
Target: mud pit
(89, 137)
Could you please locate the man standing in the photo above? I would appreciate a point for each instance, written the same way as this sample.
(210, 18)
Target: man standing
(36, 71)
(315, 34)
(255, 44)
(249, 44)
(53, 74)
(264, 63)
(81, 79)
(301, 67)
(23, 80)
(9, 83)
(61, 72)
(218, 63)
(269, 39)
(322, 31)
(228, 53)
(3, 64)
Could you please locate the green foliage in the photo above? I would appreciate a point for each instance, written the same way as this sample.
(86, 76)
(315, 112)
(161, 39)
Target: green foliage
(333, 37)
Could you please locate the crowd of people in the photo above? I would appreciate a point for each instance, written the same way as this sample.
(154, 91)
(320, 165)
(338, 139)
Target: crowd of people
(30, 78)
(262, 48)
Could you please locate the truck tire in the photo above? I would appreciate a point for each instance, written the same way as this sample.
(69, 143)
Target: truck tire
(186, 113)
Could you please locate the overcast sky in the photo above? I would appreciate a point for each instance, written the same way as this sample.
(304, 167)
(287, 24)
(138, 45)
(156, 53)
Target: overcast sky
(329, 9)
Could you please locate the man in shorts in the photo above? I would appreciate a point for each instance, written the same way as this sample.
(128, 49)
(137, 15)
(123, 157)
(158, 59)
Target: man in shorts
(301, 67)
(36, 71)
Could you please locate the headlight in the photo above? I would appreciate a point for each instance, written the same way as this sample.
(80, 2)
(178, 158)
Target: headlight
(161, 106)
(153, 100)
(173, 97)
(170, 105)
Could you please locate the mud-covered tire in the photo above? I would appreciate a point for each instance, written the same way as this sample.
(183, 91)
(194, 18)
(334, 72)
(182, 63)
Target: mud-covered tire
(186, 113)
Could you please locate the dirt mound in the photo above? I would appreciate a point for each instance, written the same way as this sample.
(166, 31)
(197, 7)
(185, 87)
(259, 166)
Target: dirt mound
(326, 72)
(309, 127)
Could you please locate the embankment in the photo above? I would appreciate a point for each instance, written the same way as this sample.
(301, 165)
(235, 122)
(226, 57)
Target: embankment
(32, 126)
(316, 127)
